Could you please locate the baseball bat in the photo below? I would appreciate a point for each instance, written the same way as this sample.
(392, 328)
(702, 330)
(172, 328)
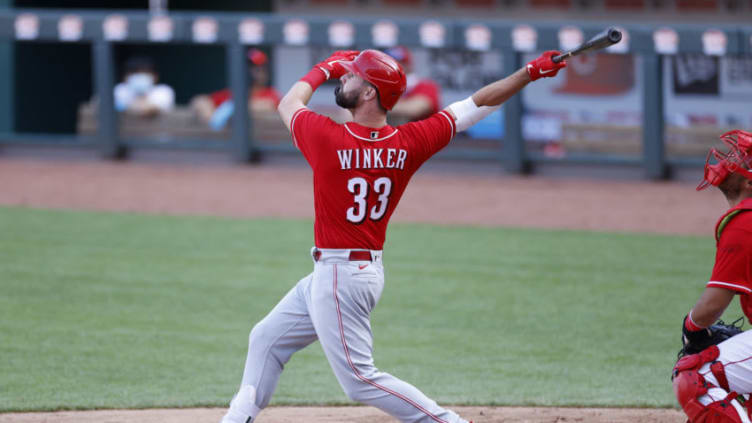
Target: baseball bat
(604, 39)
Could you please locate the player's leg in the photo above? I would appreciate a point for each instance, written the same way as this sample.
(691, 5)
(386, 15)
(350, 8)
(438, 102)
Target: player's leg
(342, 296)
(708, 383)
(285, 330)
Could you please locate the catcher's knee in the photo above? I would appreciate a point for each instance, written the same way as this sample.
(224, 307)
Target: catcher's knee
(690, 386)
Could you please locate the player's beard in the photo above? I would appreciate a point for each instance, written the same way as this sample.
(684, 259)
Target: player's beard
(346, 100)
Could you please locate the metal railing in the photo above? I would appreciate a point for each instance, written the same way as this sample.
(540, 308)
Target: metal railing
(235, 32)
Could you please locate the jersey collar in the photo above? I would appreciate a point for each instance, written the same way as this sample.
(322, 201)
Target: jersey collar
(370, 134)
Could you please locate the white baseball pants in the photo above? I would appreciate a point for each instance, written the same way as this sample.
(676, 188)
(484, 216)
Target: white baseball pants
(736, 356)
(333, 304)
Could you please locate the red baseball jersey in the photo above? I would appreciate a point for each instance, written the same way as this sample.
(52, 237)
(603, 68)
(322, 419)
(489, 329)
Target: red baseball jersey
(733, 258)
(360, 173)
(269, 93)
(427, 88)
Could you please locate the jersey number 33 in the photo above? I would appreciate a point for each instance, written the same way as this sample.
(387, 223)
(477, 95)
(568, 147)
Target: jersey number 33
(360, 189)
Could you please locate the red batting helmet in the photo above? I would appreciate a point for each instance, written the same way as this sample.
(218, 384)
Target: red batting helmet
(401, 54)
(737, 160)
(383, 72)
(257, 57)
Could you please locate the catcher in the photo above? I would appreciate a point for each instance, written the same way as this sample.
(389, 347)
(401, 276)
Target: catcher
(709, 379)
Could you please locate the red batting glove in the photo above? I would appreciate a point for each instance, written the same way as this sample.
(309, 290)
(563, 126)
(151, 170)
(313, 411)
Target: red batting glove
(331, 67)
(544, 67)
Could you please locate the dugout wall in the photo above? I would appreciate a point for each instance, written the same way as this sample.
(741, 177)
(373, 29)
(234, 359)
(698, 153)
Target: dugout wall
(235, 32)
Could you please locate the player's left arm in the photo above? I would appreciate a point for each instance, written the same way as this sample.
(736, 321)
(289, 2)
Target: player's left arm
(483, 102)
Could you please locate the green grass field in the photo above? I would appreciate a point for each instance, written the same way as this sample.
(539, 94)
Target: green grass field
(102, 310)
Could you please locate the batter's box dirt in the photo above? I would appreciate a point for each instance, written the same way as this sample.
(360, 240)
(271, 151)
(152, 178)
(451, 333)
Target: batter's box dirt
(355, 414)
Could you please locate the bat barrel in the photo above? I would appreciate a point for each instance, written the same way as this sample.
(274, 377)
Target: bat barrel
(606, 38)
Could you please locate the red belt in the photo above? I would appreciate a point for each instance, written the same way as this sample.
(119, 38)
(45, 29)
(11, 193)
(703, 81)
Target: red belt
(354, 256)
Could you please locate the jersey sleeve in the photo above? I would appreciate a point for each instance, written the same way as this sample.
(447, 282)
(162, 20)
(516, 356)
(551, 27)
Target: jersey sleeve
(430, 135)
(733, 260)
(220, 97)
(430, 90)
(310, 131)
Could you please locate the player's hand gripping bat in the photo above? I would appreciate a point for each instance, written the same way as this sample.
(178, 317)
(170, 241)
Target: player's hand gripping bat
(605, 39)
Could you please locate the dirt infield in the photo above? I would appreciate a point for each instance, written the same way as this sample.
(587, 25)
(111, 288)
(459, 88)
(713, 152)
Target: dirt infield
(443, 194)
(436, 195)
(354, 414)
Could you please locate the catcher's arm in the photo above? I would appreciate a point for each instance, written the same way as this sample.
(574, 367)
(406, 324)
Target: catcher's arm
(698, 330)
(711, 305)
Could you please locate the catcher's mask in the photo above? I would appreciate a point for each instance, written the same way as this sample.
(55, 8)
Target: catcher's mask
(737, 160)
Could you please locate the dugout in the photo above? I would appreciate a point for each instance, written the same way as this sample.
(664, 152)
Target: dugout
(469, 38)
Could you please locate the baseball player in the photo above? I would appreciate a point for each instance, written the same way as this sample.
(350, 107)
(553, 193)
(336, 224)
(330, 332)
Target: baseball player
(360, 170)
(707, 384)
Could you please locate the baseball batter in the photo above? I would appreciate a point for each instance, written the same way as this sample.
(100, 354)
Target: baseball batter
(360, 170)
(707, 384)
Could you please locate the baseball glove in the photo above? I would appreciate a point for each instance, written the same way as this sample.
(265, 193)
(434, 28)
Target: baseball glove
(694, 342)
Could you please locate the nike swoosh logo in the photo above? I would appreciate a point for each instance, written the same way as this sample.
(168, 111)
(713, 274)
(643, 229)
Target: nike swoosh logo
(362, 267)
(543, 72)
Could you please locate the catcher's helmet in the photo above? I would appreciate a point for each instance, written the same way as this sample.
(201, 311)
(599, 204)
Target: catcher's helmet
(383, 72)
(737, 160)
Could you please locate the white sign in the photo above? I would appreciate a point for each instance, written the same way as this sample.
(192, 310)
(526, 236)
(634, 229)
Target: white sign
(251, 31)
(570, 37)
(384, 34)
(714, 42)
(205, 30)
(666, 41)
(432, 34)
(27, 26)
(524, 38)
(115, 28)
(160, 28)
(478, 38)
(736, 77)
(70, 28)
(296, 32)
(341, 34)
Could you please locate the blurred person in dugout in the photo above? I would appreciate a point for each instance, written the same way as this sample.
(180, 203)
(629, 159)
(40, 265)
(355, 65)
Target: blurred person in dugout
(140, 94)
(422, 95)
(216, 109)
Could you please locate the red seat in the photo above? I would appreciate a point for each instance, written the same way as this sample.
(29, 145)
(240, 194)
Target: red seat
(475, 3)
(625, 4)
(697, 4)
(550, 3)
(402, 2)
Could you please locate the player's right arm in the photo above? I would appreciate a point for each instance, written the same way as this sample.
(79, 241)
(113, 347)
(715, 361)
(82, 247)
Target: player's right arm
(483, 102)
(295, 99)
(301, 92)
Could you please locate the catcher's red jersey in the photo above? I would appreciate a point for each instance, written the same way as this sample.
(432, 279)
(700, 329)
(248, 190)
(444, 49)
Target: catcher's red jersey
(360, 173)
(733, 259)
